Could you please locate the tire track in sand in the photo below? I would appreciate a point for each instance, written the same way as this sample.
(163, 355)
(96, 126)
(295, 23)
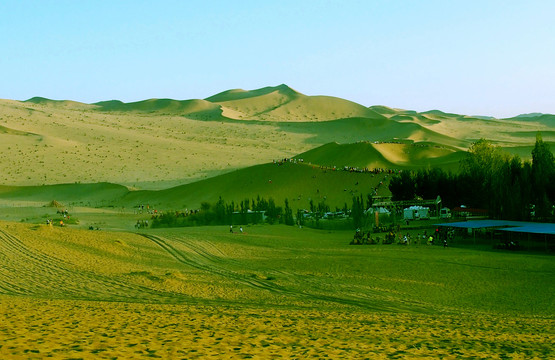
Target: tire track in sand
(201, 258)
(27, 272)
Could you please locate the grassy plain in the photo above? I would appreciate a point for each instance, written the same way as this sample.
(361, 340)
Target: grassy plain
(271, 292)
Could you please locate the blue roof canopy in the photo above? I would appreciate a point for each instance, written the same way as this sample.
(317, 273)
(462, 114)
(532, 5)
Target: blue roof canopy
(505, 225)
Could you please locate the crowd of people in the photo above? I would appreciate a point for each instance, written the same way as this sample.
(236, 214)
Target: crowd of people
(63, 221)
(365, 238)
(351, 169)
(141, 224)
(335, 168)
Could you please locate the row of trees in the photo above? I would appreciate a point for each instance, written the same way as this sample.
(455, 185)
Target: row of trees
(222, 213)
(259, 211)
(491, 179)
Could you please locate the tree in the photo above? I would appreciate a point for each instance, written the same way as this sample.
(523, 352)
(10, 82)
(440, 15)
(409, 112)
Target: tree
(369, 201)
(508, 199)
(543, 173)
(482, 161)
(402, 187)
(288, 214)
(300, 217)
(219, 209)
(357, 212)
(273, 213)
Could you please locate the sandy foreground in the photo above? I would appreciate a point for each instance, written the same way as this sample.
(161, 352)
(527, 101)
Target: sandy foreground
(36, 328)
(70, 294)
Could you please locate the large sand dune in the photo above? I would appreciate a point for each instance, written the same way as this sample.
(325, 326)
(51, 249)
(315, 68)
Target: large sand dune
(159, 143)
(386, 155)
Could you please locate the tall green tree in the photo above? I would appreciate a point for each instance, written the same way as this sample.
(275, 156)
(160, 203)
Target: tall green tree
(543, 175)
(478, 168)
(288, 214)
(402, 187)
(509, 201)
(357, 212)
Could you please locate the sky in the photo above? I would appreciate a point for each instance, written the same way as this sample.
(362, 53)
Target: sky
(494, 58)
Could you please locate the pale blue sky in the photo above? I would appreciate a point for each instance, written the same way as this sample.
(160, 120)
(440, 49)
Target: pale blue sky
(470, 57)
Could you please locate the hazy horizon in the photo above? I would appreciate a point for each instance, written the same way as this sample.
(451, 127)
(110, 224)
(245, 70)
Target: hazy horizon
(472, 58)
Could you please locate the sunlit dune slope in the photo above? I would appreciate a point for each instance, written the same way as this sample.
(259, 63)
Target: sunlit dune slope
(392, 155)
(191, 108)
(50, 144)
(297, 182)
(160, 143)
(282, 103)
(239, 94)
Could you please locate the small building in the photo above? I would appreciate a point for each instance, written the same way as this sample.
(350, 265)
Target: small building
(416, 213)
(444, 213)
(380, 214)
(248, 217)
(380, 210)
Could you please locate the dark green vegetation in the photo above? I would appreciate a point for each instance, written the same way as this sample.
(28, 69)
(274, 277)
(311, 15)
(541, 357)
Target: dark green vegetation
(490, 179)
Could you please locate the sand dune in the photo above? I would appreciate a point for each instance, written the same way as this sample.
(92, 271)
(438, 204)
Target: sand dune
(83, 329)
(130, 148)
(159, 143)
(238, 94)
(385, 155)
(282, 103)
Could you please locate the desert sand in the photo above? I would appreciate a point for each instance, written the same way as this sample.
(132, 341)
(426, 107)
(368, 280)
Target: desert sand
(273, 291)
(37, 329)
(205, 293)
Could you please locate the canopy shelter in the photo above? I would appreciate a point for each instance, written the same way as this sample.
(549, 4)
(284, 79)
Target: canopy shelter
(533, 228)
(530, 230)
(483, 224)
